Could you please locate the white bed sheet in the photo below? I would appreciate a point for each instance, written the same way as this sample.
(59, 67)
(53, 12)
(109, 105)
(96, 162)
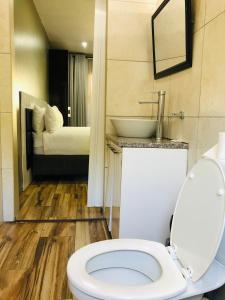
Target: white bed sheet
(64, 141)
(38, 143)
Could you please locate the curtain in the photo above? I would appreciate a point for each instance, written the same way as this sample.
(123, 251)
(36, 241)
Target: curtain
(97, 139)
(89, 93)
(78, 89)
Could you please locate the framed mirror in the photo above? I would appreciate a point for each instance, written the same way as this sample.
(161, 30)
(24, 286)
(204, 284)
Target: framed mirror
(172, 37)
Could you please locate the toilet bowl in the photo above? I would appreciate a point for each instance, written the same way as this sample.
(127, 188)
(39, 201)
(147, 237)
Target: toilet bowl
(123, 269)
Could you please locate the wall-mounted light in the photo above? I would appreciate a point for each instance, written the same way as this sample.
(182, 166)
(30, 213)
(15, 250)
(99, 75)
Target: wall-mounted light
(84, 44)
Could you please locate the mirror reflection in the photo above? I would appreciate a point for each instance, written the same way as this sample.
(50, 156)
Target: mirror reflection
(54, 63)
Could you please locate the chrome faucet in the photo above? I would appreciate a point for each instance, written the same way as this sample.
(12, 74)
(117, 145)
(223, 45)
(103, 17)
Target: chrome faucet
(160, 114)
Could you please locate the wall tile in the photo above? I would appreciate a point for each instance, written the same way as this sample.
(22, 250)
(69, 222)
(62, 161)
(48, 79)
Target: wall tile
(0, 143)
(5, 83)
(213, 9)
(8, 195)
(198, 8)
(208, 133)
(129, 31)
(212, 102)
(6, 141)
(186, 131)
(127, 83)
(4, 26)
(1, 208)
(185, 85)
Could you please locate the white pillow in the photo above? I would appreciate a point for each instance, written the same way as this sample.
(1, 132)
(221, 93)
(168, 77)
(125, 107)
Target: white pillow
(53, 119)
(38, 121)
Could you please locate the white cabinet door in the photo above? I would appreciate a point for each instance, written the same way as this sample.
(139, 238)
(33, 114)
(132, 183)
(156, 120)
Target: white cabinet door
(109, 189)
(116, 195)
(151, 180)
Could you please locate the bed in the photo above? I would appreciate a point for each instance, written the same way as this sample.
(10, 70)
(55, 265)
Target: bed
(62, 153)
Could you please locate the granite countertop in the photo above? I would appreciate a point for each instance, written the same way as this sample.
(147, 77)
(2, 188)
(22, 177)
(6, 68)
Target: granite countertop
(123, 142)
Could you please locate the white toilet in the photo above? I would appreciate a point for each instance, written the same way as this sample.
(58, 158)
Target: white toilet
(142, 270)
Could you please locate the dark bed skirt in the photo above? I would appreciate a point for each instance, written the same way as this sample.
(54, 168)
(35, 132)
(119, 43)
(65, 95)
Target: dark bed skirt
(60, 165)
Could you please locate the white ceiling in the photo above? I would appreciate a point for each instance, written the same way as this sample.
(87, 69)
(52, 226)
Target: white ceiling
(68, 23)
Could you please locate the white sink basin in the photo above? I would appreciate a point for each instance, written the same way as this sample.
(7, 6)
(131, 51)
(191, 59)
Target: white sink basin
(136, 128)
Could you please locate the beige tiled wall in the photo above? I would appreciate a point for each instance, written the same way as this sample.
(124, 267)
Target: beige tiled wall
(200, 90)
(129, 58)
(7, 191)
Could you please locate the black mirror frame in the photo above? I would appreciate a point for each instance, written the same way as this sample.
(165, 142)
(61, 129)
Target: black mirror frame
(188, 28)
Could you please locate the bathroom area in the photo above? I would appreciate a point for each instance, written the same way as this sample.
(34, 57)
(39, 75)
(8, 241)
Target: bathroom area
(163, 83)
(156, 173)
(194, 101)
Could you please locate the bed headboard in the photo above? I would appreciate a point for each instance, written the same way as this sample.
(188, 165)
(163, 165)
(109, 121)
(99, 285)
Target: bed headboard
(29, 137)
(27, 103)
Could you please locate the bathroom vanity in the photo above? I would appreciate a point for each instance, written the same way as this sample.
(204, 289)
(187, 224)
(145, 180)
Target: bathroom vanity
(143, 178)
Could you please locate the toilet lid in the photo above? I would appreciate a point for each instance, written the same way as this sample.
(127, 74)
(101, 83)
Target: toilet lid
(199, 217)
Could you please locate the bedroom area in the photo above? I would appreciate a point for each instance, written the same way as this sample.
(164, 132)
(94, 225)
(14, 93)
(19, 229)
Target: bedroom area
(54, 46)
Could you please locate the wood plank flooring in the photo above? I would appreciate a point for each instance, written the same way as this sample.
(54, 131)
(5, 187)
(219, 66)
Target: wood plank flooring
(33, 257)
(52, 200)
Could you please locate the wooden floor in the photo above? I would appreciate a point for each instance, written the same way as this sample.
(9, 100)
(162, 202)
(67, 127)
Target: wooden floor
(33, 257)
(52, 200)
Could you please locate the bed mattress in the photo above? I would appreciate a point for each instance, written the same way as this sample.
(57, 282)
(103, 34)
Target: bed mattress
(64, 141)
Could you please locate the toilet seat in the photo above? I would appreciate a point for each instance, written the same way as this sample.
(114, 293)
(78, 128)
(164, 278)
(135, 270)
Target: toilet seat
(197, 230)
(199, 217)
(170, 283)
